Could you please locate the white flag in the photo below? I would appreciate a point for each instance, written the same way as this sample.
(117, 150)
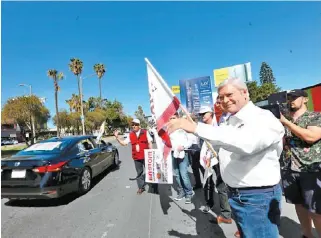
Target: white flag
(101, 132)
(164, 104)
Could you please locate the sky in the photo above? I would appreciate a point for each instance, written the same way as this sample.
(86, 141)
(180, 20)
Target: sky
(182, 40)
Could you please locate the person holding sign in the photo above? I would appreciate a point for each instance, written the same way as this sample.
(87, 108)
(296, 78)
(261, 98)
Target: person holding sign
(250, 145)
(180, 142)
(140, 140)
(211, 170)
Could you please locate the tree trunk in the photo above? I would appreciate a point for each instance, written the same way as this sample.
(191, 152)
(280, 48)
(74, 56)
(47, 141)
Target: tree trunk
(57, 113)
(100, 99)
(78, 132)
(81, 106)
(33, 130)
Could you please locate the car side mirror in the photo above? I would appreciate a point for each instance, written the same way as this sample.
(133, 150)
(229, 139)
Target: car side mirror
(81, 154)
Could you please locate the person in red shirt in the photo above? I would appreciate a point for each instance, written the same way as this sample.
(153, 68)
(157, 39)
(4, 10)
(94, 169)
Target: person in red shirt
(140, 139)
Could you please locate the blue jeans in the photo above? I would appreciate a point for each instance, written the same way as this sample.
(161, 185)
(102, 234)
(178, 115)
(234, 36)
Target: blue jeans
(180, 167)
(257, 212)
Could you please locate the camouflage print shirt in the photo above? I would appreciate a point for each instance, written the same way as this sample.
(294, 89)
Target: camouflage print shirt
(297, 154)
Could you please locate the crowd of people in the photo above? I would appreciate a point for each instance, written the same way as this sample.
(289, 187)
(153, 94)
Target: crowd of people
(250, 156)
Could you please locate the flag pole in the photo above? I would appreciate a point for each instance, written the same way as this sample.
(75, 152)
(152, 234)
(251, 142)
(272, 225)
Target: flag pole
(190, 119)
(164, 84)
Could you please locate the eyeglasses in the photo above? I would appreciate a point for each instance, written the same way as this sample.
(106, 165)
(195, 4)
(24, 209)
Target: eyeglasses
(134, 124)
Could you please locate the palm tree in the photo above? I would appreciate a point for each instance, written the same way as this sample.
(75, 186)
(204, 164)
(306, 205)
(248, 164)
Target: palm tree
(100, 71)
(76, 66)
(53, 73)
(74, 103)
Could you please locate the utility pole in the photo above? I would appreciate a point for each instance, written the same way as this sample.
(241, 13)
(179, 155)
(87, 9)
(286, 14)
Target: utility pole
(33, 128)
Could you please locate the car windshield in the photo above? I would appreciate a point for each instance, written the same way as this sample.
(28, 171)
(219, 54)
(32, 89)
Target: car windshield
(46, 147)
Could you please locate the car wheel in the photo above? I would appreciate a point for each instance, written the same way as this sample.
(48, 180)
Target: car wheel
(85, 181)
(116, 160)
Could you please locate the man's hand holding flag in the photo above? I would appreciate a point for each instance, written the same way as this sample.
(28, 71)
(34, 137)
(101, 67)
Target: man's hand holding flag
(164, 104)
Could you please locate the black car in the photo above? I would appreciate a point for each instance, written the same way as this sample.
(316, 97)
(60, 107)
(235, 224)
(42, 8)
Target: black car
(55, 167)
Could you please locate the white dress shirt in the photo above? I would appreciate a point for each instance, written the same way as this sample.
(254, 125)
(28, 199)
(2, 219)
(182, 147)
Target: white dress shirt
(179, 138)
(250, 147)
(194, 140)
(224, 117)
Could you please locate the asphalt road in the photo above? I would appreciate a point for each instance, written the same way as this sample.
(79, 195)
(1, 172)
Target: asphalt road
(113, 210)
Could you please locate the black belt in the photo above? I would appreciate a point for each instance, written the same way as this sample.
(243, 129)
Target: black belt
(261, 189)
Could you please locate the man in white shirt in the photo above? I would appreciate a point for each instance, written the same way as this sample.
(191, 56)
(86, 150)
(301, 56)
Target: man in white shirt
(180, 142)
(222, 121)
(194, 156)
(250, 147)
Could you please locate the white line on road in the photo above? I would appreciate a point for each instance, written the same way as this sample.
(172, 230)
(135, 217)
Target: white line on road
(109, 226)
(105, 234)
(150, 215)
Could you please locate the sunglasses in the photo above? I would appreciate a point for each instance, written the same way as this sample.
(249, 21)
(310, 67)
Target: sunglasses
(134, 124)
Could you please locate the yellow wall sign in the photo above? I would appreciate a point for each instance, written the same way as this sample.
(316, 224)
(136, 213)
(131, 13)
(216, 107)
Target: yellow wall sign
(220, 75)
(176, 89)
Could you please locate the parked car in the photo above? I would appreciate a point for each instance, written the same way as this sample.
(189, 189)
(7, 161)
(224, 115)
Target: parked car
(55, 167)
(9, 142)
(14, 142)
(3, 142)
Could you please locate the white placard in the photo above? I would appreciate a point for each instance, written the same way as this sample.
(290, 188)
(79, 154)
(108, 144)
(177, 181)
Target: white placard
(157, 169)
(18, 173)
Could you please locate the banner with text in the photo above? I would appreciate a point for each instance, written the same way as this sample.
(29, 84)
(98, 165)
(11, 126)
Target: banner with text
(175, 89)
(158, 170)
(241, 71)
(196, 93)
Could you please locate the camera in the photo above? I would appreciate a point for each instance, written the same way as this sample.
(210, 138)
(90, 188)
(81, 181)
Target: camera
(274, 108)
(277, 104)
(277, 109)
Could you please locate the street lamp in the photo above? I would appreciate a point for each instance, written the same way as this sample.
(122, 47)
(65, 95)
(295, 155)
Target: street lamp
(27, 85)
(33, 128)
(81, 104)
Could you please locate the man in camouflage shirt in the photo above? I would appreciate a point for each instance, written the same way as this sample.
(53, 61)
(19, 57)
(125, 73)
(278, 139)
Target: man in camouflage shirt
(301, 161)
